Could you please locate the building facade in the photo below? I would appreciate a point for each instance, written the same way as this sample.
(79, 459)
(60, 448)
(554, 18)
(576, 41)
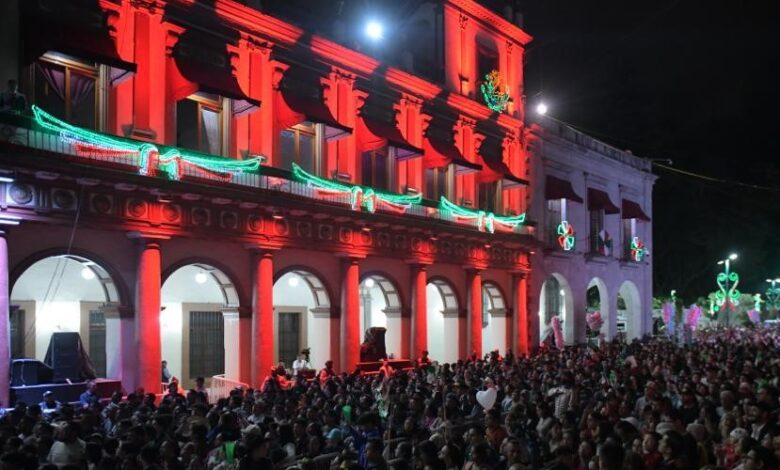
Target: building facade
(596, 233)
(208, 184)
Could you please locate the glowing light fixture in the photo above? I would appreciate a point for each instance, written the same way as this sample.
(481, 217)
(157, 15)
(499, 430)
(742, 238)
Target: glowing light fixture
(733, 256)
(201, 278)
(369, 283)
(293, 281)
(541, 108)
(375, 30)
(87, 274)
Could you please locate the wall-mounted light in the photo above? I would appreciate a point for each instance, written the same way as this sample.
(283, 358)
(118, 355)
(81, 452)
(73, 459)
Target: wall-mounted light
(369, 283)
(87, 273)
(293, 281)
(201, 278)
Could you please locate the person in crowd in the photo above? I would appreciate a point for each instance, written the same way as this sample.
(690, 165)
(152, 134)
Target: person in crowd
(166, 374)
(710, 403)
(89, 397)
(301, 363)
(49, 403)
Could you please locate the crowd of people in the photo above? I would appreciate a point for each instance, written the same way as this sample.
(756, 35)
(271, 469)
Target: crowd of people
(650, 404)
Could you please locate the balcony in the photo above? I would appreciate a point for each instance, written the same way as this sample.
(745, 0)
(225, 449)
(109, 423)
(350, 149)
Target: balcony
(52, 138)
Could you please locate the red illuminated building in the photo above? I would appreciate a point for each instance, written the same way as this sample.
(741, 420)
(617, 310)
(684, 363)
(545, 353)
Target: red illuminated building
(208, 184)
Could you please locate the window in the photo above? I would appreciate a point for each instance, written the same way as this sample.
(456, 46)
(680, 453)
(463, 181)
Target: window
(436, 183)
(299, 144)
(67, 89)
(97, 341)
(488, 196)
(199, 123)
(629, 232)
(554, 217)
(596, 226)
(376, 168)
(207, 344)
(487, 60)
(17, 333)
(552, 299)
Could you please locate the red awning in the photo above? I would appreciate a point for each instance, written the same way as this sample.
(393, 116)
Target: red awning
(214, 80)
(78, 42)
(305, 108)
(389, 134)
(439, 153)
(632, 210)
(599, 200)
(494, 168)
(556, 188)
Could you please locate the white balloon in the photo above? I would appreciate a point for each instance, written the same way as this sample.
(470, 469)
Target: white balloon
(487, 398)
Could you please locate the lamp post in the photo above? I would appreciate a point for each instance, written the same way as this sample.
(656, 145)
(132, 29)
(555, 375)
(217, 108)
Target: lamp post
(773, 294)
(727, 295)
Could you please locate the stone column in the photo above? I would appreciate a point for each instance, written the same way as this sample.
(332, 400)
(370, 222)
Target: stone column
(5, 331)
(521, 313)
(147, 321)
(350, 315)
(420, 305)
(263, 345)
(475, 312)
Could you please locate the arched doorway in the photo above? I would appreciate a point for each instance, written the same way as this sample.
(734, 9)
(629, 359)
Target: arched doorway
(302, 317)
(597, 300)
(629, 311)
(556, 299)
(442, 311)
(196, 300)
(494, 322)
(380, 305)
(66, 293)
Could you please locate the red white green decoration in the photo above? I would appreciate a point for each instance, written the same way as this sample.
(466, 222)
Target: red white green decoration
(604, 243)
(566, 236)
(147, 158)
(360, 197)
(485, 221)
(637, 250)
(494, 92)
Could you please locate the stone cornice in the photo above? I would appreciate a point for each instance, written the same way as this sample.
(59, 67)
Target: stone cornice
(496, 21)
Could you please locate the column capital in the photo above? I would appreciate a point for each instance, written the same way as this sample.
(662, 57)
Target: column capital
(264, 248)
(474, 268)
(353, 257)
(419, 263)
(393, 312)
(148, 235)
(520, 274)
(116, 311)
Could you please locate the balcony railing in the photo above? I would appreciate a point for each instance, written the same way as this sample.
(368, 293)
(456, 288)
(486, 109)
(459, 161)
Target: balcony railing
(26, 131)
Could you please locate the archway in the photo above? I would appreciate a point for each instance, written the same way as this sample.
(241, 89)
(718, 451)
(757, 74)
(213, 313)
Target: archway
(494, 322)
(556, 299)
(197, 300)
(380, 305)
(597, 300)
(629, 311)
(442, 312)
(66, 293)
(302, 317)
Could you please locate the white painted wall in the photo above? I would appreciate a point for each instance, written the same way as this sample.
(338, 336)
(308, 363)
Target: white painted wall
(171, 323)
(436, 338)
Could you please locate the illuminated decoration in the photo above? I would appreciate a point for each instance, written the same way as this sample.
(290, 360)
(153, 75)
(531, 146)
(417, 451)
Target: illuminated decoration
(637, 249)
(757, 301)
(773, 294)
(147, 157)
(361, 198)
(728, 293)
(567, 239)
(485, 221)
(494, 93)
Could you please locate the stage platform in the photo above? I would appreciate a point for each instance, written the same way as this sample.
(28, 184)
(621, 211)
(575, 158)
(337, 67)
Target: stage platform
(63, 392)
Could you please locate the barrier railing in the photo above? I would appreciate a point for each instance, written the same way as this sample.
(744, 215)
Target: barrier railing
(222, 386)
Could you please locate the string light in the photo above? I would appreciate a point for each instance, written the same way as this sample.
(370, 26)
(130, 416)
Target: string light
(495, 98)
(567, 239)
(637, 250)
(486, 221)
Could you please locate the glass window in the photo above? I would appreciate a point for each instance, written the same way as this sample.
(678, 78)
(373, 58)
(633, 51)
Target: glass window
(629, 232)
(199, 123)
(207, 344)
(436, 183)
(596, 226)
(298, 144)
(488, 196)
(552, 299)
(554, 218)
(487, 60)
(67, 89)
(375, 169)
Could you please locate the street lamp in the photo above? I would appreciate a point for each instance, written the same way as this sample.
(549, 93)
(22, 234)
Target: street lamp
(375, 30)
(773, 294)
(541, 108)
(727, 294)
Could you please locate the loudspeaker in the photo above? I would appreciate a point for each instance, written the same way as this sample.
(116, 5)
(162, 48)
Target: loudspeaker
(30, 372)
(65, 356)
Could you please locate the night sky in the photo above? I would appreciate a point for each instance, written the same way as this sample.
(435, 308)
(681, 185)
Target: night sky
(692, 81)
(697, 82)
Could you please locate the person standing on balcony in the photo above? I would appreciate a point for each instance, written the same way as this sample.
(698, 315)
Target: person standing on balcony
(12, 100)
